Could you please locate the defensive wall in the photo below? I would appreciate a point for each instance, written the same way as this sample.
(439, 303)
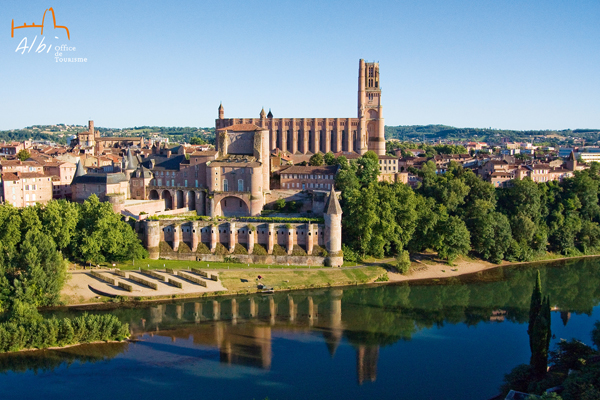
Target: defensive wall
(281, 243)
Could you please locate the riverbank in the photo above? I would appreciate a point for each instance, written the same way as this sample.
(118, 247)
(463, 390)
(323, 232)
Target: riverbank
(426, 267)
(79, 289)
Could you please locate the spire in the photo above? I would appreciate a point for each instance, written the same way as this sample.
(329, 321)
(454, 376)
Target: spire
(221, 111)
(79, 171)
(262, 113)
(571, 156)
(270, 114)
(333, 205)
(130, 161)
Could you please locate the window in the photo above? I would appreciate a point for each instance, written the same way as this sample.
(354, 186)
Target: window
(33, 197)
(225, 185)
(185, 183)
(27, 197)
(303, 186)
(160, 182)
(172, 182)
(196, 182)
(240, 185)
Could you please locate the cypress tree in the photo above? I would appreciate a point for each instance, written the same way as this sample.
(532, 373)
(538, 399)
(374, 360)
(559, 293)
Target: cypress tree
(539, 330)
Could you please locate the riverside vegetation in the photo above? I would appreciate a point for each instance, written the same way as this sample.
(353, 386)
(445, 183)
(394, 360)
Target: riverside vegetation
(574, 366)
(35, 244)
(457, 213)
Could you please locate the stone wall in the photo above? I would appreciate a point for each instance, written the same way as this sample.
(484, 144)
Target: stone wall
(280, 243)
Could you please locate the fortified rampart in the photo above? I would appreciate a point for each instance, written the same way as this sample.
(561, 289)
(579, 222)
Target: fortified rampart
(248, 242)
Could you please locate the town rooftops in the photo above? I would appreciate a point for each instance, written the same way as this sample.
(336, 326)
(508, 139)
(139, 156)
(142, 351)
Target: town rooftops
(15, 176)
(206, 153)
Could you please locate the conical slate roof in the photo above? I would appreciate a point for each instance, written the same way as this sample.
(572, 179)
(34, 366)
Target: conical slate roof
(333, 205)
(79, 171)
(131, 164)
(270, 114)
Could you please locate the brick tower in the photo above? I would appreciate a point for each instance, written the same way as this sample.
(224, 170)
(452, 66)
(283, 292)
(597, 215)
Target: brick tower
(371, 123)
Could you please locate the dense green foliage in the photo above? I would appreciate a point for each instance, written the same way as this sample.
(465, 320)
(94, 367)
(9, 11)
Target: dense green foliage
(44, 333)
(34, 242)
(23, 155)
(456, 213)
(573, 365)
(431, 132)
(427, 150)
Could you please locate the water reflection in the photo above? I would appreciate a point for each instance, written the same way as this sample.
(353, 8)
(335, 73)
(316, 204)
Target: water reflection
(241, 329)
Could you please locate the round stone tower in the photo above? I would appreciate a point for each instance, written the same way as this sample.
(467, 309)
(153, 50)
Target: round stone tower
(152, 238)
(333, 231)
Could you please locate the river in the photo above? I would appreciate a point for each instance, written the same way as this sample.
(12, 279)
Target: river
(447, 339)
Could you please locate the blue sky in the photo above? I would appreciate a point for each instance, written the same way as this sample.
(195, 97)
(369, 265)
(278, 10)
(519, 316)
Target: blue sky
(501, 64)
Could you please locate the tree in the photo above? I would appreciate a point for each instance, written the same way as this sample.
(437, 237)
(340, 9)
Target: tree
(197, 140)
(316, 160)
(23, 155)
(539, 329)
(329, 159)
(101, 235)
(453, 240)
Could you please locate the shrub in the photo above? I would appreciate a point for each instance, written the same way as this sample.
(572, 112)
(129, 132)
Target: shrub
(402, 263)
(279, 251)
(350, 255)
(202, 249)
(239, 249)
(221, 250)
(298, 251)
(319, 251)
(279, 204)
(259, 250)
(40, 334)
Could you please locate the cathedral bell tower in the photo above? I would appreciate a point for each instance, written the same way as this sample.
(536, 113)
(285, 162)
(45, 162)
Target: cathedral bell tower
(370, 120)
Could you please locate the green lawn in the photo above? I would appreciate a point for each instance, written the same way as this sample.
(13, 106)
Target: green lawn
(286, 279)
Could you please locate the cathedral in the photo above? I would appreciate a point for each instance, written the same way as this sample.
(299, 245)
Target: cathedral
(307, 136)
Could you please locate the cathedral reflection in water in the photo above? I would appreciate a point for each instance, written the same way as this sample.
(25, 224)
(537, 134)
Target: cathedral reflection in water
(241, 328)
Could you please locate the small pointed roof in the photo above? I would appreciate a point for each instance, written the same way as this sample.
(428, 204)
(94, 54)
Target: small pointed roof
(333, 205)
(270, 114)
(79, 171)
(220, 106)
(262, 113)
(571, 156)
(131, 164)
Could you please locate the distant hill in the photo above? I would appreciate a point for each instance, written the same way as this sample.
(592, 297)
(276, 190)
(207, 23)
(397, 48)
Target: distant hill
(431, 132)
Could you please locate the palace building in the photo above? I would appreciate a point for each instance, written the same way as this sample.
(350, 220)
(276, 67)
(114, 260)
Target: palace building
(308, 136)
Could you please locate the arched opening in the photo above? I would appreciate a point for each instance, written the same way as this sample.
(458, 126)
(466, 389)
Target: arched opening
(179, 195)
(191, 200)
(166, 195)
(234, 207)
(153, 195)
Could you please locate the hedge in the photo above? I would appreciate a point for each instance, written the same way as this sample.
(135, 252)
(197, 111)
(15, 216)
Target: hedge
(55, 332)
